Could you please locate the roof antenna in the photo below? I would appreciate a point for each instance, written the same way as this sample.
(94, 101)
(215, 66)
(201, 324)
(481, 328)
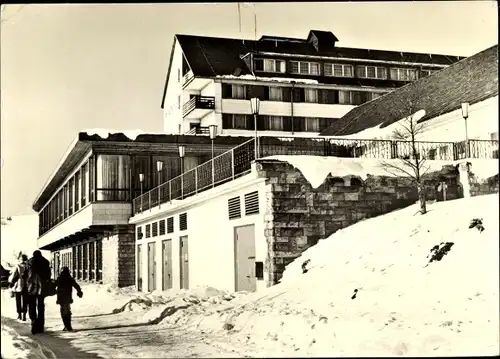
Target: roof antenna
(239, 16)
(255, 22)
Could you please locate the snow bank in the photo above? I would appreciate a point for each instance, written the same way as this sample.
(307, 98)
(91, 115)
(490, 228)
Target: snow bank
(482, 169)
(372, 290)
(20, 347)
(275, 79)
(315, 168)
(105, 133)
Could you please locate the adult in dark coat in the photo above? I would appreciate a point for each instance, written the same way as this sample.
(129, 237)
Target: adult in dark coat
(65, 284)
(37, 276)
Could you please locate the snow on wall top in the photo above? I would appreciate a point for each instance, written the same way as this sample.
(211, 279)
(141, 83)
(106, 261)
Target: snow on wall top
(315, 168)
(275, 79)
(132, 134)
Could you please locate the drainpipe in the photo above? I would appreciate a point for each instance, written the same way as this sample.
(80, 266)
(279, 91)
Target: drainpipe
(291, 103)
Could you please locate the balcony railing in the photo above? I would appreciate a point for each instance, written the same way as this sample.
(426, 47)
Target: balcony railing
(187, 78)
(201, 102)
(198, 131)
(237, 161)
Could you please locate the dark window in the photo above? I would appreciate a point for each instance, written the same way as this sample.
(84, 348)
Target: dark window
(226, 91)
(252, 203)
(259, 65)
(155, 229)
(234, 208)
(77, 191)
(139, 232)
(170, 224)
(162, 227)
(183, 221)
(148, 230)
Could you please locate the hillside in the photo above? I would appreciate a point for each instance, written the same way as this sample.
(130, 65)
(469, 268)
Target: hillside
(19, 233)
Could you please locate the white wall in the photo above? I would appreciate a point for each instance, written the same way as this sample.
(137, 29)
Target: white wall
(277, 108)
(210, 235)
(172, 114)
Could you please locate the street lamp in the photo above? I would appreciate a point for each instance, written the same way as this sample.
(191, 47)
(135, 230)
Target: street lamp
(254, 107)
(159, 167)
(182, 152)
(213, 134)
(141, 179)
(465, 115)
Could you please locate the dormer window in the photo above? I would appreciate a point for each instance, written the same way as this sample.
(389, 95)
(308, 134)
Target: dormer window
(305, 68)
(403, 74)
(339, 70)
(371, 72)
(270, 65)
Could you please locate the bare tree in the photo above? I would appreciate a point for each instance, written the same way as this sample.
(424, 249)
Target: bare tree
(412, 161)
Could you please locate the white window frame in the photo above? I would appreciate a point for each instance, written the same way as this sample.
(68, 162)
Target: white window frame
(279, 119)
(380, 72)
(273, 67)
(403, 70)
(350, 96)
(234, 119)
(299, 63)
(343, 68)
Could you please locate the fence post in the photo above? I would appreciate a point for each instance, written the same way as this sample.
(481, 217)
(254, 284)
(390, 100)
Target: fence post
(455, 152)
(149, 201)
(232, 163)
(394, 149)
(213, 172)
(170, 191)
(196, 179)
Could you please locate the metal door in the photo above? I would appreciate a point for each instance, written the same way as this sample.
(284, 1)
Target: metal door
(151, 266)
(166, 249)
(139, 267)
(244, 255)
(184, 262)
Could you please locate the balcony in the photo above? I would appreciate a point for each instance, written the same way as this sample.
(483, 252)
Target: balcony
(198, 131)
(198, 106)
(94, 214)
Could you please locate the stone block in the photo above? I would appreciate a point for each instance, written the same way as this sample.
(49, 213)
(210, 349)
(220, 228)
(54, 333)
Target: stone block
(291, 232)
(351, 196)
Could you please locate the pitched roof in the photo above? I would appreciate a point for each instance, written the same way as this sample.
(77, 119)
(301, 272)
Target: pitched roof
(472, 80)
(211, 56)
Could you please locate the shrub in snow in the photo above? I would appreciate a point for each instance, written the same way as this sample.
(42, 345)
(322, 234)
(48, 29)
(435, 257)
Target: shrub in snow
(439, 251)
(477, 223)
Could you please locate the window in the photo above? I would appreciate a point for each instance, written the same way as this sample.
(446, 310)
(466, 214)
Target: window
(275, 93)
(162, 227)
(240, 122)
(312, 124)
(275, 123)
(77, 191)
(179, 102)
(239, 92)
(345, 97)
(374, 95)
(148, 230)
(251, 203)
(311, 95)
(305, 68)
(371, 72)
(155, 229)
(424, 73)
(339, 70)
(85, 187)
(403, 74)
(139, 232)
(274, 65)
(113, 177)
(170, 224)
(183, 221)
(234, 208)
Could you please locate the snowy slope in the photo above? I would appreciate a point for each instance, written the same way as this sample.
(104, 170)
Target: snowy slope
(18, 234)
(402, 306)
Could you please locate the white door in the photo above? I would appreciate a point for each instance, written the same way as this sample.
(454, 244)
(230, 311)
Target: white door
(244, 254)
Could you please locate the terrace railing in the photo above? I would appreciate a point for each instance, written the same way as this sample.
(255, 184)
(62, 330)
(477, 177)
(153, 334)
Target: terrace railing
(237, 161)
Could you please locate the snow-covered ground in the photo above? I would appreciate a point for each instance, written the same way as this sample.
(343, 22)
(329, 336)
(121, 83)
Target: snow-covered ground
(21, 347)
(371, 289)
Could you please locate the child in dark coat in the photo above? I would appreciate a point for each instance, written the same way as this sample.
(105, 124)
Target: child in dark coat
(65, 283)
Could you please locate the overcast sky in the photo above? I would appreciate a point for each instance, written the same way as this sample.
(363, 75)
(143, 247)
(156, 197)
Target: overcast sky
(65, 68)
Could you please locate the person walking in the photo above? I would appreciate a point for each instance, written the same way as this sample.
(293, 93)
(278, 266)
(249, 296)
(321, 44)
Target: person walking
(18, 287)
(37, 275)
(65, 284)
